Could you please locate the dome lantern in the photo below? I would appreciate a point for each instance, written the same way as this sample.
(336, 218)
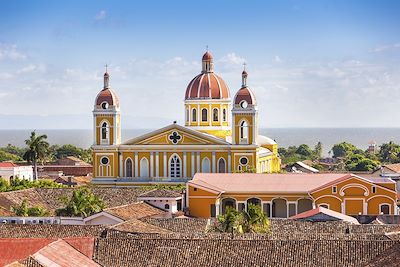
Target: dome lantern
(208, 62)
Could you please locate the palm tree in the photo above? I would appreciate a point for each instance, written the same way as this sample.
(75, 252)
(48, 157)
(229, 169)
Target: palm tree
(82, 203)
(37, 150)
(256, 220)
(252, 220)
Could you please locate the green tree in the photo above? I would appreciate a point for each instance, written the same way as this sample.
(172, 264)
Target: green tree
(252, 220)
(25, 211)
(357, 162)
(304, 150)
(389, 152)
(37, 150)
(318, 150)
(343, 150)
(6, 156)
(82, 203)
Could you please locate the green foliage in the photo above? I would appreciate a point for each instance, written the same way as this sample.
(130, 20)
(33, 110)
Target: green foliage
(25, 211)
(343, 150)
(19, 184)
(357, 162)
(293, 154)
(37, 148)
(252, 220)
(17, 151)
(304, 150)
(5, 156)
(63, 151)
(82, 203)
(389, 152)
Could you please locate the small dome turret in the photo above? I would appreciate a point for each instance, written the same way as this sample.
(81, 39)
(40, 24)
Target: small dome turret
(107, 97)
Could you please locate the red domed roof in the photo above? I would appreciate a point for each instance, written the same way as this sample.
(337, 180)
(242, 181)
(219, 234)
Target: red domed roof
(207, 85)
(207, 56)
(107, 95)
(245, 94)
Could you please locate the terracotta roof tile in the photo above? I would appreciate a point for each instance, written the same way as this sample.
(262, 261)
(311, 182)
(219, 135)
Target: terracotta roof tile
(162, 193)
(135, 211)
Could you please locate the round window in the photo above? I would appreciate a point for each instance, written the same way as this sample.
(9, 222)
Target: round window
(104, 105)
(243, 104)
(104, 160)
(243, 160)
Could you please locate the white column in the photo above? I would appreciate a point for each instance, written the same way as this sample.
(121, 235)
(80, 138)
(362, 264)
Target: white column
(314, 205)
(233, 129)
(165, 165)
(198, 162)
(198, 114)
(365, 208)
(184, 165)
(192, 162)
(151, 165)
(157, 165)
(209, 115)
(213, 162)
(270, 210)
(217, 207)
(94, 130)
(254, 130)
(120, 164)
(343, 208)
(229, 162)
(114, 130)
(136, 164)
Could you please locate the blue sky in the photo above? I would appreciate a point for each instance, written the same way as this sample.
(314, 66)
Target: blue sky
(311, 63)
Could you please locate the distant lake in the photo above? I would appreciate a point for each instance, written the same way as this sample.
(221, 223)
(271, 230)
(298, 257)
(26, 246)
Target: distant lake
(284, 136)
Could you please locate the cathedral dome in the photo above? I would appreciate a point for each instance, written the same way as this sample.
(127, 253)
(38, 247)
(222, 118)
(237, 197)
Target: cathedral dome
(207, 85)
(107, 96)
(245, 95)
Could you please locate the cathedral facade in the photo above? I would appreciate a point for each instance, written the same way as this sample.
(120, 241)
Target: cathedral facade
(219, 136)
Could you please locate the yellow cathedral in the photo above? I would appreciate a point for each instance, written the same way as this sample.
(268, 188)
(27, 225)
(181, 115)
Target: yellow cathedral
(219, 136)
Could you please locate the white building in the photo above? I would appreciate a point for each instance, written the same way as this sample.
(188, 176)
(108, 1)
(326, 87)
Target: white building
(10, 170)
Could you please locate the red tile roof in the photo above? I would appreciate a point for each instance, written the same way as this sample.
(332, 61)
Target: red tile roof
(17, 249)
(331, 213)
(207, 85)
(245, 94)
(7, 164)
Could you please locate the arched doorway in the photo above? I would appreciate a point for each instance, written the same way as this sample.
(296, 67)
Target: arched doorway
(221, 165)
(144, 167)
(228, 202)
(175, 166)
(279, 208)
(254, 201)
(304, 204)
(384, 209)
(128, 168)
(205, 166)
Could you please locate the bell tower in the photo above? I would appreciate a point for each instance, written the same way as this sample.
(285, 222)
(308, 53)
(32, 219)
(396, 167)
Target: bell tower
(106, 116)
(244, 115)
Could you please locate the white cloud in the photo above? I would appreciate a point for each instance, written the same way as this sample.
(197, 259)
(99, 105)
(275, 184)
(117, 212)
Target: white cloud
(101, 15)
(382, 48)
(277, 59)
(10, 51)
(322, 94)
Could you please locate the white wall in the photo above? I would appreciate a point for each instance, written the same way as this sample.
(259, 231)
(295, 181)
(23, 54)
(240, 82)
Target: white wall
(22, 172)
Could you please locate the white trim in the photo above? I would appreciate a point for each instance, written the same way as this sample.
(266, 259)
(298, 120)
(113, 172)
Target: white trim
(192, 162)
(229, 163)
(142, 162)
(198, 162)
(203, 162)
(343, 188)
(213, 167)
(218, 115)
(165, 164)
(326, 204)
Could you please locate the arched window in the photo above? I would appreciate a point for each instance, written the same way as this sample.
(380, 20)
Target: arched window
(221, 165)
(385, 209)
(175, 166)
(215, 114)
(128, 168)
(104, 131)
(194, 115)
(166, 206)
(144, 167)
(205, 165)
(224, 114)
(187, 115)
(204, 114)
(244, 132)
